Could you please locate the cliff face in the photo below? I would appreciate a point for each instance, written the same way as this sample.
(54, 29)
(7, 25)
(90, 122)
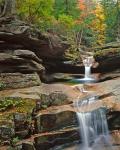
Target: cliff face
(25, 49)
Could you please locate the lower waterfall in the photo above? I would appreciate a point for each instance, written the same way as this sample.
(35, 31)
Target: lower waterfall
(94, 131)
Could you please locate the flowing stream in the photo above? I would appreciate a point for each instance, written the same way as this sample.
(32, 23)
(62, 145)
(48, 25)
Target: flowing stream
(93, 127)
(94, 130)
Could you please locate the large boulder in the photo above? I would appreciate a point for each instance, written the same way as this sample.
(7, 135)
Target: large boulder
(17, 34)
(18, 80)
(20, 61)
(25, 49)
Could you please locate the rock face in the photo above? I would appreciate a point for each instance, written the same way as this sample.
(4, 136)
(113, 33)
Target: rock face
(24, 49)
(108, 57)
(15, 34)
(57, 124)
(18, 80)
(50, 140)
(55, 120)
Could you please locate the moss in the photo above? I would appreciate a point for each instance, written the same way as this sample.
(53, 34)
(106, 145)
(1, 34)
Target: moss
(25, 106)
(107, 52)
(9, 102)
(2, 86)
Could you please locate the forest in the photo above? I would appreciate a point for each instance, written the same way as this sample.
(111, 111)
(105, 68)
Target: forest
(59, 74)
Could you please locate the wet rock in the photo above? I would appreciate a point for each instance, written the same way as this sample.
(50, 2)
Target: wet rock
(116, 137)
(113, 120)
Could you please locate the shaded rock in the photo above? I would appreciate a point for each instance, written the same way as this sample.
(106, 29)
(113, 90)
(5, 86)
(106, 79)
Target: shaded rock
(45, 45)
(6, 132)
(27, 54)
(55, 119)
(114, 120)
(108, 57)
(28, 146)
(11, 63)
(24, 48)
(50, 140)
(21, 125)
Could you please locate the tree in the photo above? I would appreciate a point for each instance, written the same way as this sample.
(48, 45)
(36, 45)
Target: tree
(66, 7)
(112, 14)
(7, 8)
(38, 12)
(98, 24)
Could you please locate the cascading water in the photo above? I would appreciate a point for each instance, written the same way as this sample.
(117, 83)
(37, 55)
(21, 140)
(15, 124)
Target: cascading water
(88, 62)
(93, 129)
(87, 72)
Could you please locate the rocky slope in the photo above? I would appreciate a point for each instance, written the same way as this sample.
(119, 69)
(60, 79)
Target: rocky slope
(52, 116)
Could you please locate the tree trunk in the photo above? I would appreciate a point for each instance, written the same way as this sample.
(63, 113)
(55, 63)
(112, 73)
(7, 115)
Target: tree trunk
(7, 8)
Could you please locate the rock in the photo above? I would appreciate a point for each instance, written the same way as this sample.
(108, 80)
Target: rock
(54, 119)
(116, 137)
(21, 125)
(107, 55)
(6, 133)
(50, 140)
(58, 98)
(45, 45)
(53, 99)
(114, 120)
(27, 54)
(26, 49)
(28, 146)
(18, 80)
(20, 63)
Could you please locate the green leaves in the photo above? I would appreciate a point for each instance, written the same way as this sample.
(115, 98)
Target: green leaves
(9, 103)
(38, 12)
(112, 14)
(2, 86)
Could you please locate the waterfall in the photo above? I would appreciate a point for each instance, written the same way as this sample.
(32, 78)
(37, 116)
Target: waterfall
(87, 72)
(88, 62)
(94, 131)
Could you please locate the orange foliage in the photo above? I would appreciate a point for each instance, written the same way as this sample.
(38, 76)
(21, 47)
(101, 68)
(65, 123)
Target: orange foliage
(81, 5)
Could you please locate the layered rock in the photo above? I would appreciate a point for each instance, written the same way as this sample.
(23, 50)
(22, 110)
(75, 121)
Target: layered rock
(108, 57)
(18, 80)
(24, 49)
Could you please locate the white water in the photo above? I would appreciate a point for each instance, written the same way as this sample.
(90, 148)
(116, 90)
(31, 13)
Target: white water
(88, 62)
(87, 72)
(94, 132)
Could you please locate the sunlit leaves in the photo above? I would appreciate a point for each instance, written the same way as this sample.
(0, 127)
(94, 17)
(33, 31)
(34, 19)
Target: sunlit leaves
(98, 25)
(36, 11)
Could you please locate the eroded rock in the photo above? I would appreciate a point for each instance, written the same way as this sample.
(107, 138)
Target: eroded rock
(18, 80)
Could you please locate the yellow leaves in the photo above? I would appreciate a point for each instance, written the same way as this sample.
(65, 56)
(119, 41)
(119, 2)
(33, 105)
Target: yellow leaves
(98, 25)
